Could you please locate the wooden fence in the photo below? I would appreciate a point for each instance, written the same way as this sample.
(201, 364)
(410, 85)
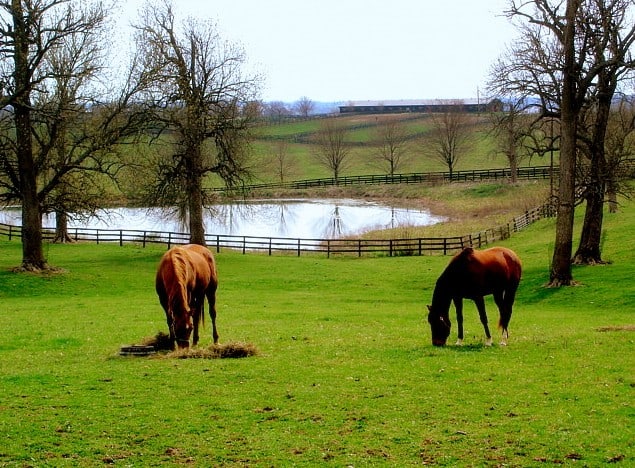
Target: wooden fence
(271, 245)
(523, 173)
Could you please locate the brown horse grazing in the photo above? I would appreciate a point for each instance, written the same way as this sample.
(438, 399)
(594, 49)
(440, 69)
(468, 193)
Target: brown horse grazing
(186, 275)
(472, 274)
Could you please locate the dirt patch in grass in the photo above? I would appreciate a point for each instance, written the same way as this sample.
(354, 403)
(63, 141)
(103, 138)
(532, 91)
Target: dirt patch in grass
(613, 328)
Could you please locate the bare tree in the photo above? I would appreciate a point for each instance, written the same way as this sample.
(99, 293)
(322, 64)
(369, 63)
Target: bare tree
(390, 139)
(559, 59)
(331, 148)
(276, 111)
(198, 90)
(611, 33)
(281, 162)
(450, 138)
(304, 106)
(41, 120)
(620, 149)
(513, 131)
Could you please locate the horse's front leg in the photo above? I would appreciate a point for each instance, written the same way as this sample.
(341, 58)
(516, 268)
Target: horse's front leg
(458, 305)
(480, 305)
(170, 322)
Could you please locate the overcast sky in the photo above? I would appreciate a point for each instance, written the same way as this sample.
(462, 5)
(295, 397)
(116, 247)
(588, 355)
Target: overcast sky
(340, 50)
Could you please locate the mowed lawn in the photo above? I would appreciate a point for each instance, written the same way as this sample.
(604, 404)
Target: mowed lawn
(346, 374)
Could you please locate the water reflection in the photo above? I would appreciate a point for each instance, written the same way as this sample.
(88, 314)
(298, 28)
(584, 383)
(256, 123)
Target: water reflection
(305, 219)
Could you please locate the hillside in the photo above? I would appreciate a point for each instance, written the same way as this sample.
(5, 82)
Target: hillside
(295, 140)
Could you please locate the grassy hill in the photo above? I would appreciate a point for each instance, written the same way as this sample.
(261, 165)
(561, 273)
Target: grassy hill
(299, 139)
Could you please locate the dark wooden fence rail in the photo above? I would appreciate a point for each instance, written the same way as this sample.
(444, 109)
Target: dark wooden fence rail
(523, 173)
(271, 245)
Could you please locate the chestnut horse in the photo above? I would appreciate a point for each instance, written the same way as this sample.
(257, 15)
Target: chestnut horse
(473, 274)
(186, 275)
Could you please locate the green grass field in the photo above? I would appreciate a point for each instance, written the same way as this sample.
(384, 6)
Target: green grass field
(362, 159)
(346, 374)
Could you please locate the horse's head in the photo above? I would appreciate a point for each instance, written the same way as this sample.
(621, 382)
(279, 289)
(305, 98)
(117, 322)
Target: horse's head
(439, 325)
(182, 328)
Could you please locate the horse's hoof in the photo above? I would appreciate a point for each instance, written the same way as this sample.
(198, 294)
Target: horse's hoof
(488, 342)
(503, 343)
(459, 342)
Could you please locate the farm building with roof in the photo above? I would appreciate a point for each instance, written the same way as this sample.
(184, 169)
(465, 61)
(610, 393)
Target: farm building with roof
(419, 105)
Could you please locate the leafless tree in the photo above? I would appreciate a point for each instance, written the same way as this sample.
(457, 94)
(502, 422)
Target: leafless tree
(390, 140)
(620, 149)
(276, 110)
(332, 150)
(611, 32)
(281, 162)
(54, 137)
(559, 61)
(451, 136)
(510, 129)
(198, 90)
(304, 106)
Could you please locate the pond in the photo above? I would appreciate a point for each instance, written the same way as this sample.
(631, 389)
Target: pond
(291, 218)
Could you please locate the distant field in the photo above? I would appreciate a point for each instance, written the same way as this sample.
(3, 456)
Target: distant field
(299, 135)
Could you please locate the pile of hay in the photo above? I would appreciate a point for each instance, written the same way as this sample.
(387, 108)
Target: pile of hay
(161, 342)
(234, 349)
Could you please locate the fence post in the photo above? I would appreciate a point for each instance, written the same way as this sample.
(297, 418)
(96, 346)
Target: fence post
(299, 244)
(120, 237)
(169, 240)
(244, 244)
(270, 246)
(217, 243)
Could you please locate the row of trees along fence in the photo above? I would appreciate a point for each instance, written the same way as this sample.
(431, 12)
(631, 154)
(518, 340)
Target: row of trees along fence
(523, 173)
(359, 247)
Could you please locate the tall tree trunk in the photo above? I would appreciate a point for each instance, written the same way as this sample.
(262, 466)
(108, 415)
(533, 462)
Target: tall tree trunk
(589, 251)
(513, 164)
(32, 251)
(561, 274)
(195, 197)
(61, 228)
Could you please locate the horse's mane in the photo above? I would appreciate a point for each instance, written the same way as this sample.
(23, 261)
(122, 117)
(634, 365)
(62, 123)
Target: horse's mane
(456, 263)
(180, 271)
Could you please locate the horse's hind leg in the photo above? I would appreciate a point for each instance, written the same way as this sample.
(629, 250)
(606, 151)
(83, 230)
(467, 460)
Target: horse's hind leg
(198, 311)
(480, 305)
(211, 299)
